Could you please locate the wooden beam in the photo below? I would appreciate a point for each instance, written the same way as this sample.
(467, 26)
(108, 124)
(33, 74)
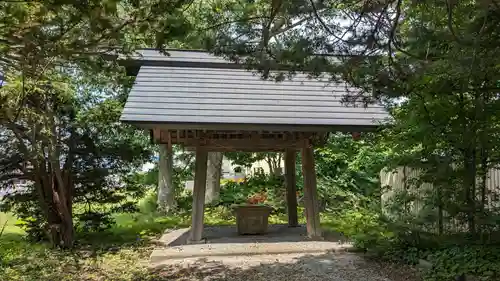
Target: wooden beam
(200, 178)
(183, 135)
(310, 192)
(242, 144)
(238, 140)
(237, 149)
(291, 187)
(257, 127)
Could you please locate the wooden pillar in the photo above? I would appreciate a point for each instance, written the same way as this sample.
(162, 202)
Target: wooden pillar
(291, 187)
(200, 178)
(310, 192)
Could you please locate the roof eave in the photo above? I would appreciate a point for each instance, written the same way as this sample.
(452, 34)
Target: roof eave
(253, 127)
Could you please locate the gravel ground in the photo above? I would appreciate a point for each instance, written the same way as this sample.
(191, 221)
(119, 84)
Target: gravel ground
(284, 254)
(338, 266)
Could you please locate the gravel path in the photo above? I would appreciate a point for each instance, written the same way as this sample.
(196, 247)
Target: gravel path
(284, 254)
(338, 266)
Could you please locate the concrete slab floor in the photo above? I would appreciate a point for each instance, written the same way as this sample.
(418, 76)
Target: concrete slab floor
(224, 241)
(229, 234)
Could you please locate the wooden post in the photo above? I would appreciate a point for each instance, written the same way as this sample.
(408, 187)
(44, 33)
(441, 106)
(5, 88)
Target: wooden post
(200, 178)
(291, 187)
(310, 192)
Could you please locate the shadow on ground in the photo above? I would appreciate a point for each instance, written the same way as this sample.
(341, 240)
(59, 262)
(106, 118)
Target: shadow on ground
(336, 266)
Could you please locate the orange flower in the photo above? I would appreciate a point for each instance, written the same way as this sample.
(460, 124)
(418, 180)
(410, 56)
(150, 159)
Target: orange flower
(257, 198)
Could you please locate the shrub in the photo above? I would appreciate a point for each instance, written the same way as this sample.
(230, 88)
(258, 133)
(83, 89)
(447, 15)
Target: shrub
(34, 227)
(233, 193)
(220, 215)
(481, 261)
(91, 221)
(148, 203)
(239, 193)
(31, 220)
(184, 201)
(363, 226)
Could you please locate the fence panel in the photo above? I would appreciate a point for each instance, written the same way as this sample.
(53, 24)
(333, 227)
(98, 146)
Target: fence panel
(400, 179)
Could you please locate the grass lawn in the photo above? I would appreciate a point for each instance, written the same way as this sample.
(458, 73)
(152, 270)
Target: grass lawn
(117, 254)
(120, 253)
(7, 225)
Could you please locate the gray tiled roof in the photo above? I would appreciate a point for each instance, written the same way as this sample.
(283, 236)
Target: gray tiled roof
(204, 94)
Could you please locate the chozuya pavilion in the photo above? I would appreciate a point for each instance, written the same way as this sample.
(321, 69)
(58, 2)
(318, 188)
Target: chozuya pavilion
(206, 103)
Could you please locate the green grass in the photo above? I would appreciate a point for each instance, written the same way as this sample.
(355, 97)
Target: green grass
(119, 253)
(116, 254)
(25, 261)
(7, 223)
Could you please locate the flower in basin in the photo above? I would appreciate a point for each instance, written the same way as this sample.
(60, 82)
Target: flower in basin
(257, 198)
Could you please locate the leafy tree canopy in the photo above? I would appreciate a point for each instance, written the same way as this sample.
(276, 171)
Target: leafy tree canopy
(385, 48)
(36, 35)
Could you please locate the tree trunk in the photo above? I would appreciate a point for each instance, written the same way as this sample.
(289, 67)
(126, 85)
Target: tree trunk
(58, 212)
(59, 187)
(61, 229)
(470, 189)
(278, 170)
(166, 195)
(214, 173)
(269, 161)
(440, 210)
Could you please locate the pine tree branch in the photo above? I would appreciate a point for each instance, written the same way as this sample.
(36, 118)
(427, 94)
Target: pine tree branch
(323, 24)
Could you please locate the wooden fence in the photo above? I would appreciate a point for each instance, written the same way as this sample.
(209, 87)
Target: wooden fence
(399, 181)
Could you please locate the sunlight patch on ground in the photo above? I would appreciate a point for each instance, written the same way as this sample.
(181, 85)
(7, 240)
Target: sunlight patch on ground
(7, 223)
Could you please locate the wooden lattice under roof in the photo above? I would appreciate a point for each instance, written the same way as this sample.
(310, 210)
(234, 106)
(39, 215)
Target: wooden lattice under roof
(234, 140)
